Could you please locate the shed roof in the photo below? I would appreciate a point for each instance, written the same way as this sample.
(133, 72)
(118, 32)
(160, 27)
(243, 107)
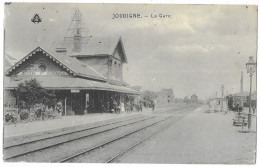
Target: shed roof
(63, 83)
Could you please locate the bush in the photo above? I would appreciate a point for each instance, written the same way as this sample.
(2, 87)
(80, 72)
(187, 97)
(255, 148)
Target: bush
(30, 93)
(24, 115)
(10, 117)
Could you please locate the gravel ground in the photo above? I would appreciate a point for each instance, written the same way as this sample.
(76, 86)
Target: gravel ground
(201, 138)
(105, 153)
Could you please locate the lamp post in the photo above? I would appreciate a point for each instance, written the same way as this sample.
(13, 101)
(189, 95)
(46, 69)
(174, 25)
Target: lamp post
(222, 90)
(250, 67)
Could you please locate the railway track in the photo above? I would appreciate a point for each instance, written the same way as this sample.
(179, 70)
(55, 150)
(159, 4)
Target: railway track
(102, 153)
(131, 147)
(11, 144)
(41, 150)
(85, 156)
(22, 149)
(168, 111)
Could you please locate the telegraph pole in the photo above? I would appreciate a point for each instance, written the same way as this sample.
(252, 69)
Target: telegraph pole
(222, 89)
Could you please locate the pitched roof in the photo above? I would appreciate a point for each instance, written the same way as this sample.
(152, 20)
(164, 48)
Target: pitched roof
(97, 47)
(72, 65)
(9, 60)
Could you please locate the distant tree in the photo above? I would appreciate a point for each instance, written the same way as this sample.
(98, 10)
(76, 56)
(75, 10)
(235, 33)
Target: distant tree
(230, 103)
(29, 93)
(148, 97)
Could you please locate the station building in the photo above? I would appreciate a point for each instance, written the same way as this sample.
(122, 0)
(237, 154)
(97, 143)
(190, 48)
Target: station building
(165, 96)
(84, 76)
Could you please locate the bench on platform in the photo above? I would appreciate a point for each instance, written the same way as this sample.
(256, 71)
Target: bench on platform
(240, 120)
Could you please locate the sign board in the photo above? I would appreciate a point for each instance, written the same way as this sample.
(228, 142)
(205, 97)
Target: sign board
(75, 90)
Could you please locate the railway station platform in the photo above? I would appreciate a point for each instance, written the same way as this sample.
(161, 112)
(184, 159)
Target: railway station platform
(63, 123)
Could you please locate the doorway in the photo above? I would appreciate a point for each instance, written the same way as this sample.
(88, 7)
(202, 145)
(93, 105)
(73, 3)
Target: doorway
(77, 104)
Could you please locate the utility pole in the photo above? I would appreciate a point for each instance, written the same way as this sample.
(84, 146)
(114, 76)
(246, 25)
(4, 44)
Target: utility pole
(222, 89)
(250, 66)
(241, 90)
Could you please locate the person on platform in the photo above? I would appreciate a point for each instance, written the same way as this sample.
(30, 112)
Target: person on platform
(141, 108)
(153, 105)
(237, 108)
(122, 107)
(131, 106)
(114, 108)
(59, 108)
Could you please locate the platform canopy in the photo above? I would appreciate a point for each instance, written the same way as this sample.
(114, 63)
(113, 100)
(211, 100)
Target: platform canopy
(62, 83)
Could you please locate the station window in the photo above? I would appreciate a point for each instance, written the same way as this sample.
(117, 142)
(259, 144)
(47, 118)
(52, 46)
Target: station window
(42, 68)
(119, 70)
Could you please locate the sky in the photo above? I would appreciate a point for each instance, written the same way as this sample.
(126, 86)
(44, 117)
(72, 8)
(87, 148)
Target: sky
(196, 50)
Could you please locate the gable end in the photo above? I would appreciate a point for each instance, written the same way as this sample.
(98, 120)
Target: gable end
(33, 54)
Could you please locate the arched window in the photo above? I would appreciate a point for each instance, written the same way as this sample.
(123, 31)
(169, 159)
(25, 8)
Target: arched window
(42, 68)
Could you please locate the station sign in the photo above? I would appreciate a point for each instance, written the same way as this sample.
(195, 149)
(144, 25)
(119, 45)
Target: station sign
(75, 90)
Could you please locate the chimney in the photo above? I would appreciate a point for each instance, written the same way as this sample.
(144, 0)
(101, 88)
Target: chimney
(77, 41)
(61, 50)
